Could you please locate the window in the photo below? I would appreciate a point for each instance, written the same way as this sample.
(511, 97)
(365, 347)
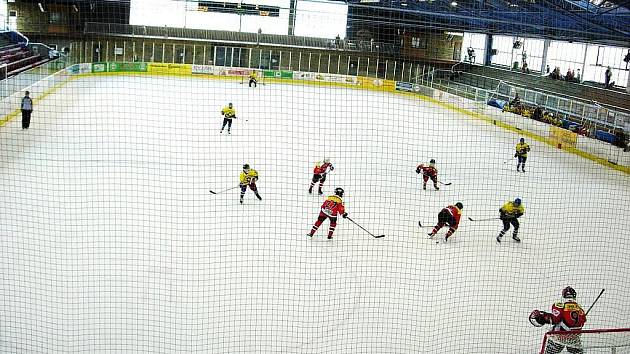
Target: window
(238, 8)
(418, 43)
(55, 18)
(565, 56)
(12, 13)
(599, 58)
(476, 42)
(504, 46)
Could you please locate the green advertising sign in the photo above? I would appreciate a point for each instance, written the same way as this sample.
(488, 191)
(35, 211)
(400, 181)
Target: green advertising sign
(99, 67)
(282, 74)
(119, 67)
(127, 67)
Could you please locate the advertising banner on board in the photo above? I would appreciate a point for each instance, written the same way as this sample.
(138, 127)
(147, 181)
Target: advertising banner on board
(173, 69)
(127, 67)
(562, 136)
(237, 72)
(378, 84)
(341, 79)
(83, 68)
(208, 70)
(407, 86)
(278, 74)
(99, 67)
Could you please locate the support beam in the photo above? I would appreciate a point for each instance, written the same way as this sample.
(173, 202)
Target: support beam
(292, 11)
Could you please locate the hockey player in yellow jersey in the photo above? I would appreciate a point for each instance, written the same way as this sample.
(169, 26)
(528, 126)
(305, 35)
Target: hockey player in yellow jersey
(253, 79)
(228, 114)
(248, 178)
(522, 148)
(509, 214)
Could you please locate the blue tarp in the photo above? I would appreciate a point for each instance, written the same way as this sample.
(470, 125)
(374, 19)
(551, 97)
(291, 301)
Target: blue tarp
(605, 136)
(494, 102)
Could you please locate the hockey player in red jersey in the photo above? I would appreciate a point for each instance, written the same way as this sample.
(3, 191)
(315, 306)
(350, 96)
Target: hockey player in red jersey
(332, 207)
(448, 216)
(428, 172)
(319, 174)
(566, 315)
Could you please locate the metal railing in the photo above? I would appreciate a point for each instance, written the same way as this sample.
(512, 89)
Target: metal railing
(239, 37)
(299, 59)
(21, 82)
(569, 108)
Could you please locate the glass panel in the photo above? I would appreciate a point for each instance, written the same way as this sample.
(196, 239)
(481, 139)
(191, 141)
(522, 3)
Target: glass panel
(158, 52)
(169, 55)
(275, 60)
(179, 54)
(220, 56)
(565, 56)
(503, 45)
(244, 58)
(476, 42)
(284, 60)
(334, 63)
(343, 67)
(323, 64)
(255, 59)
(352, 69)
(265, 60)
(312, 62)
(198, 54)
(188, 54)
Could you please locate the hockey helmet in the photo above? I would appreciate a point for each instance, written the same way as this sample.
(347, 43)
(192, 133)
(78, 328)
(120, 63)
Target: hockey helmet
(246, 167)
(517, 201)
(522, 140)
(339, 192)
(569, 293)
(459, 205)
(230, 104)
(432, 162)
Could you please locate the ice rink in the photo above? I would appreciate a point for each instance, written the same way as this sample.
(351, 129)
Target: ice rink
(111, 242)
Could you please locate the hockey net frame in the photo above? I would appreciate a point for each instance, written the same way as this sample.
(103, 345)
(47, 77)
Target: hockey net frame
(577, 339)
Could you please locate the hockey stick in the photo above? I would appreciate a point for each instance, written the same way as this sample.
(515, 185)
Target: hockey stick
(223, 191)
(430, 236)
(488, 219)
(508, 160)
(420, 224)
(371, 234)
(440, 182)
(594, 302)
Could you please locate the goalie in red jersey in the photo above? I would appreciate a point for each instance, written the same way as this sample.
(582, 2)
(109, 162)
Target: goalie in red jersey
(319, 174)
(428, 172)
(332, 207)
(566, 316)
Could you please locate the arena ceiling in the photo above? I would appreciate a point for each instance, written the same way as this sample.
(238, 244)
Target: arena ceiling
(594, 21)
(608, 22)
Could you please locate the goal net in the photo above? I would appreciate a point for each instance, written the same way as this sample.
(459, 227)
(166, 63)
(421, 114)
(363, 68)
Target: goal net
(600, 341)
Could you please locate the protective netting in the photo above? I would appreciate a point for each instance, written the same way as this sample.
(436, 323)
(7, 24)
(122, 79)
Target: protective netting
(121, 227)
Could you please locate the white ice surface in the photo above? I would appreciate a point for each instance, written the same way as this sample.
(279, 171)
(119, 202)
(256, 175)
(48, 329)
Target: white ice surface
(110, 241)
